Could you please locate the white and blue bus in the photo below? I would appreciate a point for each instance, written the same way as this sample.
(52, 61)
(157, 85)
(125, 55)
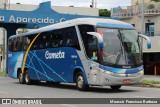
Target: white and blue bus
(85, 51)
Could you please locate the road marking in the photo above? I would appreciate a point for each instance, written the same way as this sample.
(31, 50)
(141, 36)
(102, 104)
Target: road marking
(3, 92)
(68, 105)
(143, 97)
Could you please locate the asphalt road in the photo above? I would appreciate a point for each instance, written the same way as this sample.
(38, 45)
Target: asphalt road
(10, 88)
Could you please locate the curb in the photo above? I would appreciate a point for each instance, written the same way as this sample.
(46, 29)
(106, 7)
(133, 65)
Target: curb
(147, 85)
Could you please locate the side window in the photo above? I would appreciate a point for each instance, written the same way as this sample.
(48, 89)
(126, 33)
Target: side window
(58, 40)
(19, 44)
(52, 39)
(14, 47)
(10, 44)
(34, 45)
(43, 41)
(26, 42)
(66, 37)
(89, 41)
(71, 39)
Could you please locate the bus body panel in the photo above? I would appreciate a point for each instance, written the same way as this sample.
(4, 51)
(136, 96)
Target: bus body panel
(14, 61)
(53, 64)
(58, 64)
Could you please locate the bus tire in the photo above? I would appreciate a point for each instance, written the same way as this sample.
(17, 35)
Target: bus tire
(21, 78)
(80, 82)
(28, 81)
(116, 87)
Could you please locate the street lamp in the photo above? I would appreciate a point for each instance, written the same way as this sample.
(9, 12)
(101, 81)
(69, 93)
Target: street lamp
(142, 24)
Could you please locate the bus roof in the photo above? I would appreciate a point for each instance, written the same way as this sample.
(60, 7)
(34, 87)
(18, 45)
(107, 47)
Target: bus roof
(99, 22)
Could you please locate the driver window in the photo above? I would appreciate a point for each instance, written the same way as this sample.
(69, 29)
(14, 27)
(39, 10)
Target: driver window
(89, 41)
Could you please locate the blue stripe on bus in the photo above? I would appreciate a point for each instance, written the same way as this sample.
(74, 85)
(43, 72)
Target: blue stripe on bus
(120, 26)
(120, 70)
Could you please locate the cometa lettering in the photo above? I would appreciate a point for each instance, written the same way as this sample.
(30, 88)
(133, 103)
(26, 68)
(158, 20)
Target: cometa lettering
(58, 55)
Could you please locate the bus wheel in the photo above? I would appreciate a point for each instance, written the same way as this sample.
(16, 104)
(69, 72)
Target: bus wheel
(80, 83)
(117, 87)
(21, 78)
(28, 81)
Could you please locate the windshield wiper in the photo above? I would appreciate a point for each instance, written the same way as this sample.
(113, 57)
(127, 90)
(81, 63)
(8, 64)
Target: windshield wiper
(122, 49)
(128, 57)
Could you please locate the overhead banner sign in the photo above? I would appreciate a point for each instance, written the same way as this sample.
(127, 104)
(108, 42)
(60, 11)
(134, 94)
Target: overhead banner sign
(13, 19)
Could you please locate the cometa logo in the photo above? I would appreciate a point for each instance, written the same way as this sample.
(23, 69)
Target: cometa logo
(58, 55)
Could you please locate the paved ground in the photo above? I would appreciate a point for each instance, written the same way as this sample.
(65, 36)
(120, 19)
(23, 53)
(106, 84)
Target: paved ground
(10, 88)
(152, 77)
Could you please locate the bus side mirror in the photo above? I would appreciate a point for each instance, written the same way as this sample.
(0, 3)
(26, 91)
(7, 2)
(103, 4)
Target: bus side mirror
(147, 39)
(99, 37)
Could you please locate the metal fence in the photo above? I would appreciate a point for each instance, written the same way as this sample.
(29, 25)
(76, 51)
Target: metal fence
(130, 11)
(150, 33)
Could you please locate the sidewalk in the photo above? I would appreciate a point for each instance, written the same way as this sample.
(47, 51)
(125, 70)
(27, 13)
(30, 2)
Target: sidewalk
(151, 77)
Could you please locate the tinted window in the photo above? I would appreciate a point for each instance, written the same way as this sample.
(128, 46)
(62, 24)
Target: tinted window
(89, 41)
(71, 39)
(66, 37)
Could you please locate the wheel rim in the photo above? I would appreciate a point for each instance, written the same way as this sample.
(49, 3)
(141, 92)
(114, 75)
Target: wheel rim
(80, 81)
(21, 77)
(26, 78)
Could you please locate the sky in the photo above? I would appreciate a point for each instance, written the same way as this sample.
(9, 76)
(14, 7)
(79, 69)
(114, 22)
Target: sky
(107, 4)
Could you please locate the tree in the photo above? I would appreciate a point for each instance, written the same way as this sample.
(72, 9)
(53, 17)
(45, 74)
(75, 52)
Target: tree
(151, 6)
(104, 12)
(156, 0)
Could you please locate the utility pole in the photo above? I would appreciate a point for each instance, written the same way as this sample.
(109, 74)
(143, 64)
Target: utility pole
(4, 50)
(142, 19)
(4, 43)
(142, 25)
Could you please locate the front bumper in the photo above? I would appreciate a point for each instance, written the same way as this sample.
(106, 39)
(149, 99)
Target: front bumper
(110, 80)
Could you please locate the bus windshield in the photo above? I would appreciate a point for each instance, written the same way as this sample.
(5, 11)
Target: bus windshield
(121, 47)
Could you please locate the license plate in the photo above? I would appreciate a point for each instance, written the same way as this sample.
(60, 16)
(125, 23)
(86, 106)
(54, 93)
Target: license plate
(126, 81)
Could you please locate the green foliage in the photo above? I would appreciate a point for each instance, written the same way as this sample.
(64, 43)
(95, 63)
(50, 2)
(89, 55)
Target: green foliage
(150, 82)
(151, 6)
(2, 73)
(156, 0)
(104, 12)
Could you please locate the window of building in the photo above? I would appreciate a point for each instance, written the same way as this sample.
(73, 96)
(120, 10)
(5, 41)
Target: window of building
(149, 29)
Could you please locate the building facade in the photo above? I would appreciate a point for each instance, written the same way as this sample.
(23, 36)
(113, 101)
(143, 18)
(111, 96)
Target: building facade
(133, 15)
(4, 4)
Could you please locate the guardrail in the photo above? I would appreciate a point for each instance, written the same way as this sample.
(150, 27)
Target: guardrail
(152, 12)
(131, 11)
